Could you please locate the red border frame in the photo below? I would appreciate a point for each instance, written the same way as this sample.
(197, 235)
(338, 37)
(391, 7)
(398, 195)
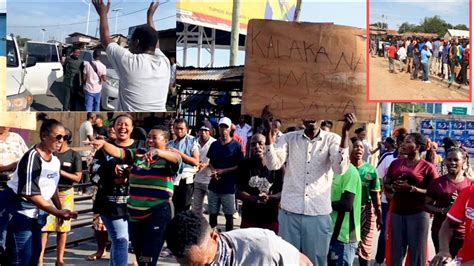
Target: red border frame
(413, 101)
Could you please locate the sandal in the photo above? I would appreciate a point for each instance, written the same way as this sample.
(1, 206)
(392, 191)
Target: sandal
(94, 257)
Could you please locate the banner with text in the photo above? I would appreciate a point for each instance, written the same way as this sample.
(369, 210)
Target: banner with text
(306, 71)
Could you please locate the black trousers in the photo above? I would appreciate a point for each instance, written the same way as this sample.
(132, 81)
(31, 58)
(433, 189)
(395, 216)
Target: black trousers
(182, 196)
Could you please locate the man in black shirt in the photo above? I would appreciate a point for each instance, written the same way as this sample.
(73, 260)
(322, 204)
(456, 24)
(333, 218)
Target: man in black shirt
(259, 189)
(100, 132)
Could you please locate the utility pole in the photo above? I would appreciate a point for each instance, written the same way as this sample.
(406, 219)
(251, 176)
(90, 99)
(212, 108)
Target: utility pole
(88, 3)
(296, 17)
(116, 15)
(42, 31)
(234, 34)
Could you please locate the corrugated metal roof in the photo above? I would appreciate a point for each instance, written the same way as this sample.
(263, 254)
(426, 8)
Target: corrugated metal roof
(219, 73)
(459, 33)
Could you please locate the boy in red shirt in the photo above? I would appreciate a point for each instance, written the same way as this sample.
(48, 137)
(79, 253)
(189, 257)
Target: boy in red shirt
(391, 57)
(462, 212)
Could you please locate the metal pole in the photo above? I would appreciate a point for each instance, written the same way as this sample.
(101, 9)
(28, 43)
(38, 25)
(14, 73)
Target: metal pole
(200, 30)
(88, 18)
(116, 10)
(213, 46)
(116, 13)
(296, 17)
(234, 34)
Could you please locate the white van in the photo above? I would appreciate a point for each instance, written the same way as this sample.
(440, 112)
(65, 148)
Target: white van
(19, 97)
(48, 68)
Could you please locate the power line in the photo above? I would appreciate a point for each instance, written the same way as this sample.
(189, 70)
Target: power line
(82, 22)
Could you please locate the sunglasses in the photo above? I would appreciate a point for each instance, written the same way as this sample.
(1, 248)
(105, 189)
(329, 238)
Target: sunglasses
(62, 137)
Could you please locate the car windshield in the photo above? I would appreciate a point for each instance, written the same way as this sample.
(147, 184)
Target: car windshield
(12, 56)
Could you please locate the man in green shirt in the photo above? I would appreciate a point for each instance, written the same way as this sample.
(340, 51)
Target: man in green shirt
(346, 204)
(72, 81)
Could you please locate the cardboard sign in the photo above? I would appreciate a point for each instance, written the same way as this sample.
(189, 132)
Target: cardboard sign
(306, 71)
(22, 120)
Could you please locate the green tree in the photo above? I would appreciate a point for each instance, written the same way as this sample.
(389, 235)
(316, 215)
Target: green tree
(434, 25)
(400, 108)
(406, 27)
(461, 27)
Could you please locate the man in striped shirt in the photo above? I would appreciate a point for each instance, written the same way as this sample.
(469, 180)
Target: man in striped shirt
(151, 190)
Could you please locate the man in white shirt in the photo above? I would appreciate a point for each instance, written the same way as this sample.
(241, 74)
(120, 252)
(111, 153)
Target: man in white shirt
(313, 156)
(382, 167)
(402, 57)
(144, 71)
(94, 74)
(86, 131)
(244, 130)
(203, 176)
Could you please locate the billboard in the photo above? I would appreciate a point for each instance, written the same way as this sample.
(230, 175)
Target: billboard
(218, 14)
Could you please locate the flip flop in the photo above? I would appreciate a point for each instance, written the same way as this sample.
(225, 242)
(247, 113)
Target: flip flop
(94, 257)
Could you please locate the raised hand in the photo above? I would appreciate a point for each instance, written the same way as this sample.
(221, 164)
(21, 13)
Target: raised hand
(100, 7)
(267, 118)
(153, 7)
(349, 121)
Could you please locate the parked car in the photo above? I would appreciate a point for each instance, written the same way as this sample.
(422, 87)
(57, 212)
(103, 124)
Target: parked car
(18, 94)
(48, 68)
(109, 95)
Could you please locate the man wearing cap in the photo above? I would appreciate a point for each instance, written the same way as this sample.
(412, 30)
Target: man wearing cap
(203, 176)
(312, 156)
(387, 158)
(224, 157)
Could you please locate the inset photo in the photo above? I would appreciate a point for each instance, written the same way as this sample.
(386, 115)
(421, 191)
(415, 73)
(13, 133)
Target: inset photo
(419, 51)
(115, 55)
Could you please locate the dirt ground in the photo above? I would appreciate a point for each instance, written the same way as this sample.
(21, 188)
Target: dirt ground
(388, 86)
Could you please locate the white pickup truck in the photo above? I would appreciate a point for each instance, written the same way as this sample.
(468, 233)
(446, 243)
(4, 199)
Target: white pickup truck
(19, 97)
(33, 75)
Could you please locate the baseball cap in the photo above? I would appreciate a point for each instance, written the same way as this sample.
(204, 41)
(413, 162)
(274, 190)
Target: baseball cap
(204, 127)
(225, 121)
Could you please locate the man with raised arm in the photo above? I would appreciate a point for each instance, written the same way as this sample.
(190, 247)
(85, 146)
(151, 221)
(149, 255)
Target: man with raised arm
(312, 157)
(144, 71)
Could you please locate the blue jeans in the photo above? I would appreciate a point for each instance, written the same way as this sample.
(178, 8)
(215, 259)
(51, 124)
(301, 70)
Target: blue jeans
(92, 101)
(341, 254)
(24, 239)
(425, 71)
(380, 257)
(309, 234)
(148, 235)
(118, 233)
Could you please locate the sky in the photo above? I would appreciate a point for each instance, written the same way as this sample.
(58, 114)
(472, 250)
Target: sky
(27, 18)
(398, 11)
(348, 12)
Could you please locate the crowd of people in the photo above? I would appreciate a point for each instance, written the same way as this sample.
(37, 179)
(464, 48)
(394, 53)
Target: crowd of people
(145, 74)
(309, 196)
(445, 59)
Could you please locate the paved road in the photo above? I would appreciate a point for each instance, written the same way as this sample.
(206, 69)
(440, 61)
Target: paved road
(50, 101)
(399, 86)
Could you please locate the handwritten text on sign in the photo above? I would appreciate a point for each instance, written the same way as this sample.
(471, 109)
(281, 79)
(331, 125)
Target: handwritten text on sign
(306, 70)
